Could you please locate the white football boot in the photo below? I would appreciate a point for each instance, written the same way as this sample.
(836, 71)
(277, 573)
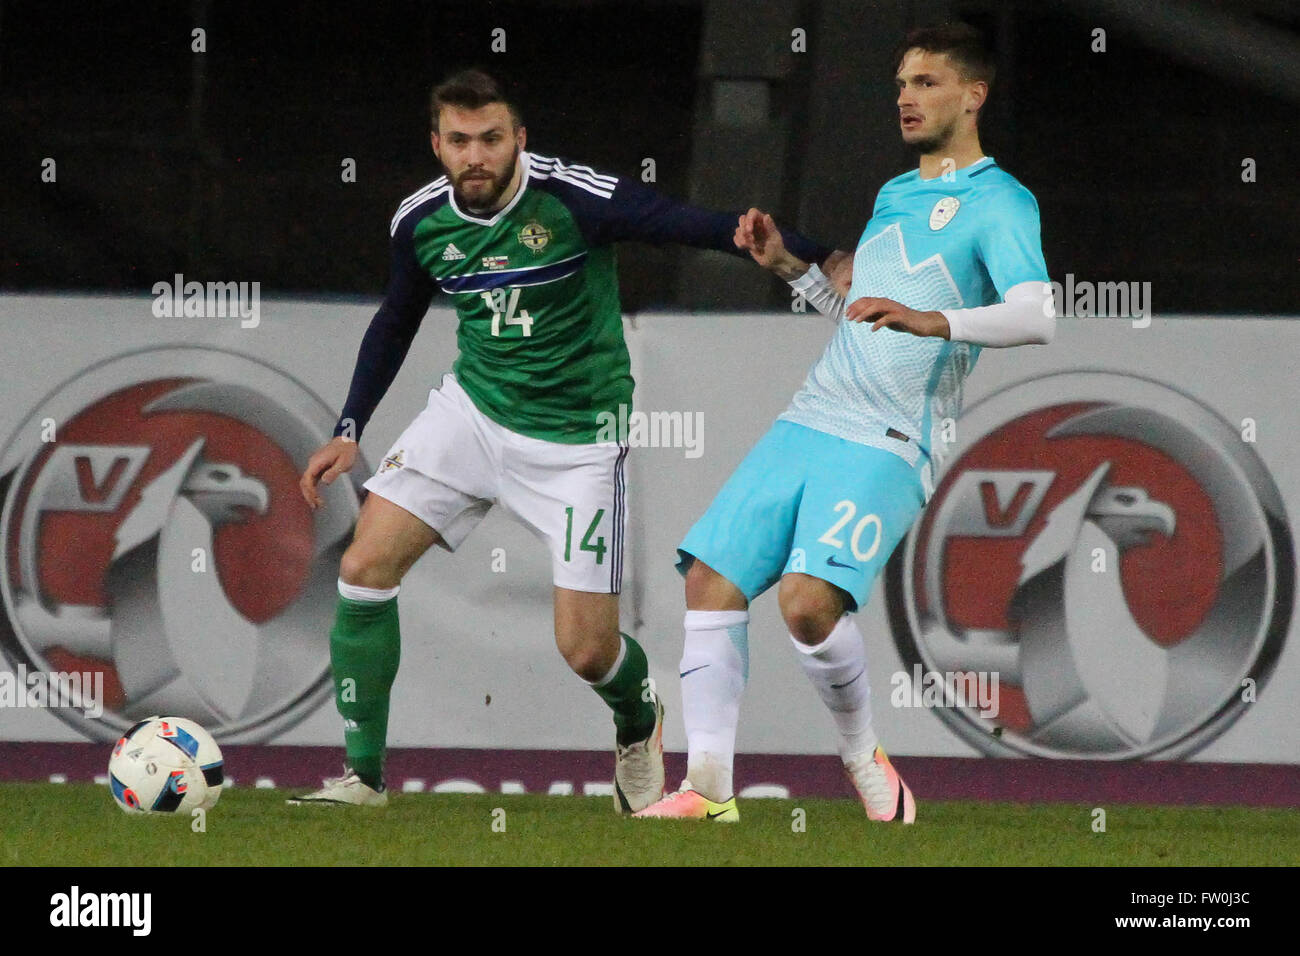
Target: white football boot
(347, 790)
(639, 769)
(881, 789)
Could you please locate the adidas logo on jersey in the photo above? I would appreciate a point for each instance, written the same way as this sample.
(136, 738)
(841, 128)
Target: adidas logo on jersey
(451, 253)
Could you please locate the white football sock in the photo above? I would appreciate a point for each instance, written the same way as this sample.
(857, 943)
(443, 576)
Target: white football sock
(714, 668)
(837, 667)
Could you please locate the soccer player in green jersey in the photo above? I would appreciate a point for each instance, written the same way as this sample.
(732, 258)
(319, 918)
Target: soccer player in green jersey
(524, 246)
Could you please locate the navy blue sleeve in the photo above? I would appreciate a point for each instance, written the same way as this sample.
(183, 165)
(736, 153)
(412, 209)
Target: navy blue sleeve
(387, 340)
(633, 211)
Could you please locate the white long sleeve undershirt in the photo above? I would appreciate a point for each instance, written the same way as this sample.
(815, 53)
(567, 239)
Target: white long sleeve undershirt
(1025, 316)
(818, 292)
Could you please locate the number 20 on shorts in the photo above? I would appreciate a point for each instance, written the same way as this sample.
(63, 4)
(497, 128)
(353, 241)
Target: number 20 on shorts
(847, 509)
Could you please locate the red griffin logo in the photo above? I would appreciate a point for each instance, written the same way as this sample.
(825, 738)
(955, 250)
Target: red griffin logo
(1114, 552)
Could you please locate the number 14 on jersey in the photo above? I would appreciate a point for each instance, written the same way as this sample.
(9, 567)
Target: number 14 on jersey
(504, 301)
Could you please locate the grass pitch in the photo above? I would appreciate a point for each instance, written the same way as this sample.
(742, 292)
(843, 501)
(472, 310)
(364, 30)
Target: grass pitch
(78, 825)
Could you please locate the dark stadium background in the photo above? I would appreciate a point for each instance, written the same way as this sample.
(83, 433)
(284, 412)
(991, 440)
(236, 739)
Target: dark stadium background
(226, 165)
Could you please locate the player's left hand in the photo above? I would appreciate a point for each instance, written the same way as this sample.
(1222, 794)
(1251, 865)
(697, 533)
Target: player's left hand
(886, 313)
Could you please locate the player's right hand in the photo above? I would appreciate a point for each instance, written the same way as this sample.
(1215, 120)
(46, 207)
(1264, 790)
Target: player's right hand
(325, 465)
(838, 267)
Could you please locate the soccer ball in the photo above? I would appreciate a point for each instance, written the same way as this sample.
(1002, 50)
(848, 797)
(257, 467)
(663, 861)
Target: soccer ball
(166, 765)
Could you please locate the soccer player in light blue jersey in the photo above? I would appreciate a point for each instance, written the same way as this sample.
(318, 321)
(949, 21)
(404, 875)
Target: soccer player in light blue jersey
(950, 262)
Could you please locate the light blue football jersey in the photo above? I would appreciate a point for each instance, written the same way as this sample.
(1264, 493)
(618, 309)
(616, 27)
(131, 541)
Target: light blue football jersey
(930, 244)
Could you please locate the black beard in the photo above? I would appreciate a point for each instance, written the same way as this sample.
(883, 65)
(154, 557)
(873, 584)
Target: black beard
(491, 199)
(933, 144)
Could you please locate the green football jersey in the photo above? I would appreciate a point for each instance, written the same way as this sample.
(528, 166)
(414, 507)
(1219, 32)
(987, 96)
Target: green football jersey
(535, 288)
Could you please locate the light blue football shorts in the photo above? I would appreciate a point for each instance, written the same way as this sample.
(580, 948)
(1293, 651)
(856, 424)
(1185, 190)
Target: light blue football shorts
(805, 501)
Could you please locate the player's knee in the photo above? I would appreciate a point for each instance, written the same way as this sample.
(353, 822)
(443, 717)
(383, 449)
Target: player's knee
(810, 607)
(364, 569)
(807, 627)
(707, 590)
(588, 659)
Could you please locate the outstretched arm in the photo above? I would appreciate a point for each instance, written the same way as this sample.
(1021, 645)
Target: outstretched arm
(653, 217)
(614, 209)
(759, 236)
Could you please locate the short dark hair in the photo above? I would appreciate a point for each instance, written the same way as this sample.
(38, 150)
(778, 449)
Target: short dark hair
(960, 42)
(469, 90)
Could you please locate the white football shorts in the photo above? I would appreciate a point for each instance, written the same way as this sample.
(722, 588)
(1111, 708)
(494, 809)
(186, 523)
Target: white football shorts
(453, 463)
